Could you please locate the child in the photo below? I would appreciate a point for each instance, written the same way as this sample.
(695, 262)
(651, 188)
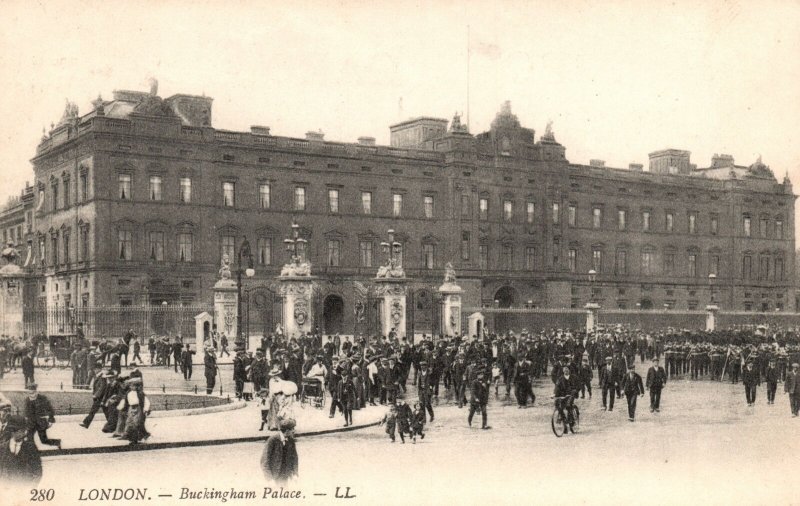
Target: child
(263, 393)
(390, 419)
(495, 376)
(417, 423)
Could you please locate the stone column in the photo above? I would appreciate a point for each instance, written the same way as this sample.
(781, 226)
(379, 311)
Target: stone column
(451, 308)
(711, 317)
(225, 304)
(591, 316)
(298, 294)
(393, 305)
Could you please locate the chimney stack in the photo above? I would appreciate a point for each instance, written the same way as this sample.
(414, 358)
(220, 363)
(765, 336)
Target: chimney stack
(366, 141)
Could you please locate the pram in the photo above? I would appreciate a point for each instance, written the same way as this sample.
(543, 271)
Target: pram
(312, 393)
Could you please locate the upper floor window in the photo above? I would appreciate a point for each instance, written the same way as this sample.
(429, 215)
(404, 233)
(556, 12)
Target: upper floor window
(747, 267)
(54, 202)
(155, 187)
(530, 212)
(65, 238)
(186, 190)
(645, 221)
(228, 194)
(778, 229)
(84, 182)
(334, 248)
(530, 258)
(366, 202)
(83, 237)
(647, 263)
(508, 210)
(397, 204)
(264, 250)
(507, 256)
(622, 262)
(66, 193)
(333, 201)
(428, 251)
(597, 217)
(746, 226)
(184, 247)
(597, 259)
(713, 265)
(692, 265)
(228, 247)
(556, 213)
(365, 247)
(622, 219)
(465, 205)
(763, 226)
(465, 245)
(483, 209)
(299, 198)
(669, 221)
(572, 259)
(125, 244)
(692, 222)
(264, 196)
(157, 246)
(572, 215)
(714, 224)
(427, 202)
(483, 256)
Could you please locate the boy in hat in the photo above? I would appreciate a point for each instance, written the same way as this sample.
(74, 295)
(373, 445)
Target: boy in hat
(417, 422)
(279, 460)
(40, 415)
(390, 419)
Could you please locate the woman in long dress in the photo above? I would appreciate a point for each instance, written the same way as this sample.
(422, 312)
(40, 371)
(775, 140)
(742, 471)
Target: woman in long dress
(138, 409)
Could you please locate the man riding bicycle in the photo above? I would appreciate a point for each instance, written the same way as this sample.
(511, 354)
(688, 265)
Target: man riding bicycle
(566, 389)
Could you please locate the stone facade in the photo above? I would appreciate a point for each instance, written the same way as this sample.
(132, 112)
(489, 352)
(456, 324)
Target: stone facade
(155, 195)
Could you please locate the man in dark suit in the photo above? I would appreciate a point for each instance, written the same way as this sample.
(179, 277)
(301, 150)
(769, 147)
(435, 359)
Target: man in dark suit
(751, 379)
(656, 379)
(27, 367)
(479, 398)
(40, 416)
(425, 388)
(632, 386)
(608, 382)
(186, 362)
(100, 393)
(792, 387)
(771, 376)
(521, 376)
(177, 349)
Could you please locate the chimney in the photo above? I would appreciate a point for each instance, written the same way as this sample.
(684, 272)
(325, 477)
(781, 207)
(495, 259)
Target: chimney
(721, 161)
(638, 167)
(259, 130)
(366, 141)
(597, 163)
(315, 136)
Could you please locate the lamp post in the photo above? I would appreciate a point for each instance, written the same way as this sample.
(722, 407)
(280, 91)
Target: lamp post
(244, 252)
(295, 245)
(392, 250)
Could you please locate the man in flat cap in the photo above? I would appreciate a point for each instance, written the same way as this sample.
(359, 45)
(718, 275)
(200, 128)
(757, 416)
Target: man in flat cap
(40, 416)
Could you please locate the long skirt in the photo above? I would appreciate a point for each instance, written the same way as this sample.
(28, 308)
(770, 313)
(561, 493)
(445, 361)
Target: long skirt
(134, 425)
(122, 418)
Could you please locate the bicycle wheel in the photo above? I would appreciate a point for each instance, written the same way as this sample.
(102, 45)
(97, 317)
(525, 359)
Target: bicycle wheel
(47, 363)
(557, 424)
(576, 415)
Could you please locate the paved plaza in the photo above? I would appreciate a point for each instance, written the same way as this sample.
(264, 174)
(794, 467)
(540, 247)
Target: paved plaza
(704, 438)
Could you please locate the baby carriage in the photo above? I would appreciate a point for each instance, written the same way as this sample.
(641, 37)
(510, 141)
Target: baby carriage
(312, 393)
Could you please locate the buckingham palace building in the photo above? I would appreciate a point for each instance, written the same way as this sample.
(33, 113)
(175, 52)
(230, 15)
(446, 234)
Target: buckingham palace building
(135, 202)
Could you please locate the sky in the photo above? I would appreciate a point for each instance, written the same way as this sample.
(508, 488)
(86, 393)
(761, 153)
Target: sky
(618, 79)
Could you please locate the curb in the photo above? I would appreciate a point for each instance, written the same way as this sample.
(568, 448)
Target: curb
(183, 444)
(231, 406)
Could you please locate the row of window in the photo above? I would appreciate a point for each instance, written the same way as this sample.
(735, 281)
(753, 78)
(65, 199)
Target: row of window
(265, 193)
(60, 252)
(622, 218)
(63, 199)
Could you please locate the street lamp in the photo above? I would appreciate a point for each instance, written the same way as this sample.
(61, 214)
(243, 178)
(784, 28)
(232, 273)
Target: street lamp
(244, 252)
(711, 278)
(295, 245)
(392, 249)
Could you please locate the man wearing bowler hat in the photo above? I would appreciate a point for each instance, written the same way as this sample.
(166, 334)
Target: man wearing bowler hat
(633, 387)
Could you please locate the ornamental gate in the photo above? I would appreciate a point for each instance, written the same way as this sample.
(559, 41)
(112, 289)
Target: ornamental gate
(263, 311)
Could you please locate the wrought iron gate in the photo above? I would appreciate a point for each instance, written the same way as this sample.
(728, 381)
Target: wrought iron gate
(263, 311)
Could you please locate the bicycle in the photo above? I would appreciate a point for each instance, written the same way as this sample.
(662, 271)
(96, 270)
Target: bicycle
(557, 422)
